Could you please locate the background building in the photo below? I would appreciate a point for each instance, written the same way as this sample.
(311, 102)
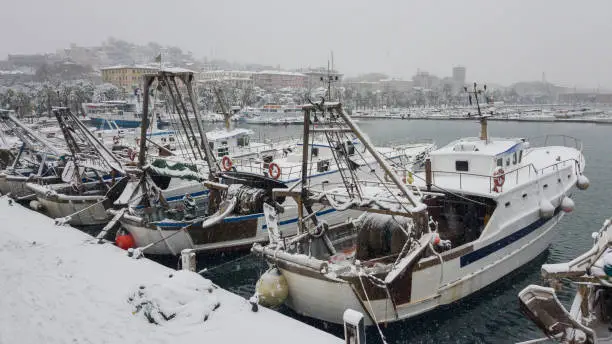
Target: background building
(458, 78)
(126, 77)
(271, 79)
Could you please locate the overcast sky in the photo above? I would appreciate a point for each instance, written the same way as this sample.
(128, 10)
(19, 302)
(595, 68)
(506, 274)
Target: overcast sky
(501, 41)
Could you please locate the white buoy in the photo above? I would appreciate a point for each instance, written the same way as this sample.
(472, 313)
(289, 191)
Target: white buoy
(583, 182)
(567, 204)
(547, 210)
(36, 205)
(272, 288)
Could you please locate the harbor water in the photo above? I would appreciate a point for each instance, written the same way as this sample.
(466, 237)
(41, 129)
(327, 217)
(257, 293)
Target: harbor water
(491, 315)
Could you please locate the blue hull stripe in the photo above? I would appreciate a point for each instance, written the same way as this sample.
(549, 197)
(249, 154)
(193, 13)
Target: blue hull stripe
(238, 219)
(503, 242)
(194, 194)
(120, 123)
(180, 197)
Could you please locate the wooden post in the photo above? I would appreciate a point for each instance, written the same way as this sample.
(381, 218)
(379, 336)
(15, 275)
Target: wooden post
(188, 259)
(428, 173)
(483, 129)
(144, 124)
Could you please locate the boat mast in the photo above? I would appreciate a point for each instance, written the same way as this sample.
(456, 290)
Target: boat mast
(482, 118)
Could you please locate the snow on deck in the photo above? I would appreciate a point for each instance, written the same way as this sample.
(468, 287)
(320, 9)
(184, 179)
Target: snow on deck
(60, 287)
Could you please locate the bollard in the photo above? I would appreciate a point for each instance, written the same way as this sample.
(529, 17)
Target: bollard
(188, 259)
(354, 328)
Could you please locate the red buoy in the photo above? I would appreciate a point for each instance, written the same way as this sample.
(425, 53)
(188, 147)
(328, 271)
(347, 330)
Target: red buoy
(125, 241)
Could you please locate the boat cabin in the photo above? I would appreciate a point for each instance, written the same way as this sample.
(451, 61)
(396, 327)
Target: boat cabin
(224, 142)
(478, 157)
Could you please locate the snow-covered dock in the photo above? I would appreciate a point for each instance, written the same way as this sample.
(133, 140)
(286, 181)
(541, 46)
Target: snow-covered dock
(58, 286)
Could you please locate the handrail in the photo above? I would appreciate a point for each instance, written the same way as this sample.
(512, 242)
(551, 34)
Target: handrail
(577, 142)
(490, 178)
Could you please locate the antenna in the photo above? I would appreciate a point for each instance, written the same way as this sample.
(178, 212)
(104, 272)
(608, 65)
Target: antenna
(483, 118)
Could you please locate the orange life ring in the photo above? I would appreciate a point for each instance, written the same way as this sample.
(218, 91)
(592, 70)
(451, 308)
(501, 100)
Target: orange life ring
(226, 162)
(499, 178)
(274, 170)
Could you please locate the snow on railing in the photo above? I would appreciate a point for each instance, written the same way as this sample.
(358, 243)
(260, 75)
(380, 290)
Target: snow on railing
(512, 178)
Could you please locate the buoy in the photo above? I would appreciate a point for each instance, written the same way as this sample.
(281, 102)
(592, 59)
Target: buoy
(274, 170)
(36, 205)
(567, 204)
(227, 163)
(583, 182)
(272, 288)
(607, 260)
(435, 239)
(547, 210)
(125, 241)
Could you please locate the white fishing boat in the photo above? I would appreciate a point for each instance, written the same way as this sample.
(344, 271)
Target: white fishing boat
(79, 200)
(588, 318)
(201, 223)
(482, 208)
(34, 161)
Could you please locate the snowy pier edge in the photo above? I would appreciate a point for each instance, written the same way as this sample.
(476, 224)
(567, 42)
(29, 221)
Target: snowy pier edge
(58, 286)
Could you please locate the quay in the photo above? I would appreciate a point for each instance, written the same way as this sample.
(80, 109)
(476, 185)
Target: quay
(60, 286)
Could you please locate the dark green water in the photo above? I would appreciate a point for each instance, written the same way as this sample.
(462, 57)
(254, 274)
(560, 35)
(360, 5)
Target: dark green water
(491, 315)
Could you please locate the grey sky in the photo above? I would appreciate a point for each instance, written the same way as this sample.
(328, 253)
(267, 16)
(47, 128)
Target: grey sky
(499, 41)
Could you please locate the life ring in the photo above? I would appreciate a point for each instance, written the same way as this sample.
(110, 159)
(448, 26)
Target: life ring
(131, 154)
(499, 178)
(226, 162)
(274, 170)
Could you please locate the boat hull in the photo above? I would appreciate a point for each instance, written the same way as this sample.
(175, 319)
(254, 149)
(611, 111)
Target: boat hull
(121, 123)
(16, 185)
(306, 290)
(234, 233)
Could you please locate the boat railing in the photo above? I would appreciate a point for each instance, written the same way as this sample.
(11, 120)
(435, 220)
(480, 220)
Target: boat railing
(287, 172)
(515, 177)
(566, 140)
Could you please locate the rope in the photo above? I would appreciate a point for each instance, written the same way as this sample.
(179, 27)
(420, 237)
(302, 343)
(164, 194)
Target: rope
(382, 336)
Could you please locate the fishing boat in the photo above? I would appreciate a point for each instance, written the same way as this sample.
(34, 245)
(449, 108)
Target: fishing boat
(229, 213)
(90, 177)
(34, 161)
(588, 318)
(482, 208)
(122, 112)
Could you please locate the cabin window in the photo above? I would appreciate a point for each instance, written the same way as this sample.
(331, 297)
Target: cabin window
(500, 162)
(520, 156)
(508, 161)
(315, 151)
(223, 151)
(224, 143)
(514, 158)
(171, 139)
(461, 165)
(323, 166)
(242, 141)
